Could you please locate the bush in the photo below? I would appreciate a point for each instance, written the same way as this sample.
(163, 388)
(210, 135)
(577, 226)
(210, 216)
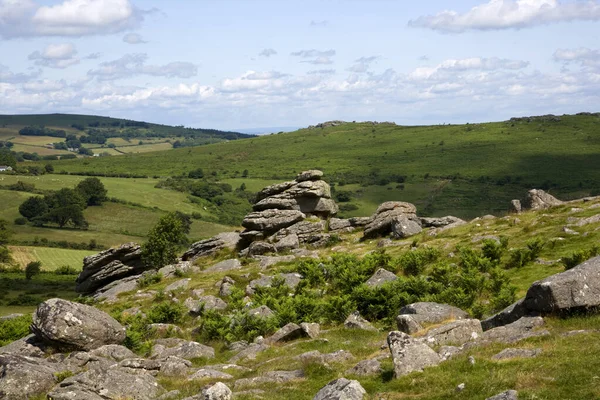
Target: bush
(66, 270)
(33, 269)
(14, 329)
(21, 221)
(166, 312)
(580, 256)
(413, 262)
(163, 241)
(149, 278)
(25, 300)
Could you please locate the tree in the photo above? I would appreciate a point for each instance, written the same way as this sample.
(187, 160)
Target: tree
(7, 158)
(163, 241)
(65, 206)
(33, 207)
(49, 168)
(5, 232)
(33, 269)
(245, 173)
(196, 174)
(92, 190)
(86, 152)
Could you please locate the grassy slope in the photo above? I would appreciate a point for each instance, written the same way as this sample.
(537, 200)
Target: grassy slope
(457, 159)
(51, 258)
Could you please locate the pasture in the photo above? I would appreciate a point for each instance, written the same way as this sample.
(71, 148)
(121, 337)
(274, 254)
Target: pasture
(51, 258)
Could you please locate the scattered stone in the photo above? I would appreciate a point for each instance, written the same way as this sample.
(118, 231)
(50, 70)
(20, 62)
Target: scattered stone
(287, 243)
(267, 261)
(433, 313)
(113, 352)
(447, 352)
(179, 285)
(515, 206)
(181, 348)
(227, 240)
(177, 269)
(259, 248)
(10, 317)
(262, 312)
(205, 373)
(75, 326)
(249, 353)
(291, 280)
(521, 329)
(381, 222)
(110, 292)
(289, 332)
(509, 353)
(380, 277)
(537, 199)
(311, 329)
(410, 355)
(439, 222)
(510, 314)
(508, 395)
(366, 368)
(341, 389)
(569, 231)
(594, 219)
(460, 387)
(405, 226)
(216, 391)
(456, 333)
(355, 321)
(471, 360)
(24, 377)
(196, 307)
(226, 265)
(406, 323)
(278, 377)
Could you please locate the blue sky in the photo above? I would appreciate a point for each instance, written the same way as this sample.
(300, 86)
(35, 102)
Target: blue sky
(233, 64)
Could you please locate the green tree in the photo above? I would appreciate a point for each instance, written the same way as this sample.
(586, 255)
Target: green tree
(196, 174)
(163, 241)
(245, 173)
(33, 269)
(65, 207)
(92, 190)
(33, 207)
(49, 168)
(7, 158)
(5, 232)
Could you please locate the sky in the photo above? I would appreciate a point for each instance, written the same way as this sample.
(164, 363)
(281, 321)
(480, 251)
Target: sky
(240, 64)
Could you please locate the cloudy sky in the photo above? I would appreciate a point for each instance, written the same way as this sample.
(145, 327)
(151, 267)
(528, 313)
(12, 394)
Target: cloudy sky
(233, 64)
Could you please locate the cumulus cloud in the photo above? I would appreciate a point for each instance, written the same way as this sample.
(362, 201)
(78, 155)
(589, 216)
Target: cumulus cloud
(22, 18)
(135, 64)
(267, 53)
(55, 56)
(506, 14)
(133, 38)
(7, 76)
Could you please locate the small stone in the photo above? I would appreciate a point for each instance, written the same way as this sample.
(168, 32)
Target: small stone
(471, 360)
(460, 387)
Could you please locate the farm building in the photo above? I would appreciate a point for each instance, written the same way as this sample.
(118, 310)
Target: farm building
(4, 168)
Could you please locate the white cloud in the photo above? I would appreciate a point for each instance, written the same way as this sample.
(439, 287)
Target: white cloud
(7, 76)
(584, 56)
(56, 56)
(362, 64)
(267, 53)
(22, 18)
(506, 14)
(133, 38)
(135, 64)
(44, 85)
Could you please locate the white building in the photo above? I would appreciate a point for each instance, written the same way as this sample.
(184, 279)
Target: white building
(4, 168)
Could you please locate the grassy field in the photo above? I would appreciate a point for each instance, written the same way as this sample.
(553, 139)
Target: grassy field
(51, 258)
(472, 168)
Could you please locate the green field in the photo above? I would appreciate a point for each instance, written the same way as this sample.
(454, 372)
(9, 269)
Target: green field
(51, 258)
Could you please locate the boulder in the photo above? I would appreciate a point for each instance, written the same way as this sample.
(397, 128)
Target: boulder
(339, 356)
(273, 190)
(575, 289)
(164, 348)
(204, 303)
(366, 368)
(291, 280)
(111, 383)
(249, 353)
(110, 293)
(289, 332)
(259, 248)
(272, 220)
(509, 315)
(29, 346)
(406, 323)
(341, 389)
(515, 206)
(433, 313)
(113, 352)
(177, 269)
(216, 391)
(24, 377)
(227, 240)
(439, 222)
(165, 330)
(310, 175)
(380, 277)
(310, 197)
(537, 199)
(226, 265)
(267, 261)
(75, 326)
(287, 243)
(339, 225)
(454, 333)
(178, 285)
(311, 329)
(405, 226)
(175, 366)
(355, 321)
(410, 355)
(383, 219)
(109, 266)
(508, 395)
(262, 312)
(510, 353)
(275, 377)
(304, 230)
(521, 329)
(205, 373)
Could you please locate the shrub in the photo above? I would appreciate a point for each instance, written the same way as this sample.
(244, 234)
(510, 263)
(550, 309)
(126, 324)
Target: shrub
(579, 256)
(166, 312)
(149, 278)
(14, 329)
(66, 270)
(163, 241)
(32, 269)
(21, 221)
(24, 299)
(413, 262)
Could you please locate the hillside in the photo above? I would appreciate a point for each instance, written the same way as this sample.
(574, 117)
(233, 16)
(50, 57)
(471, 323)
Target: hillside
(465, 170)
(234, 317)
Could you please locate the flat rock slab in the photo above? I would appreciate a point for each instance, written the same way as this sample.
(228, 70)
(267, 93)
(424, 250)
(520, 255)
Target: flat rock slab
(433, 313)
(24, 377)
(454, 333)
(511, 353)
(278, 377)
(410, 355)
(519, 330)
(226, 265)
(508, 395)
(366, 368)
(341, 389)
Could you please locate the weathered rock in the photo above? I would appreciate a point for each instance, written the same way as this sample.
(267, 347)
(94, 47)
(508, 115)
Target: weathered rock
(249, 353)
(175, 366)
(113, 352)
(24, 377)
(181, 348)
(287, 243)
(575, 289)
(272, 220)
(10, 317)
(262, 312)
(405, 226)
(355, 321)
(108, 266)
(341, 389)
(594, 219)
(304, 230)
(406, 323)
(510, 353)
(410, 355)
(433, 313)
(339, 225)
(177, 269)
(291, 280)
(310, 175)
(508, 395)
(510, 314)
(205, 373)
(366, 368)
(278, 377)
(267, 261)
(380, 277)
(521, 329)
(142, 364)
(447, 352)
(289, 332)
(454, 333)
(110, 293)
(112, 383)
(311, 329)
(226, 265)
(537, 199)
(75, 326)
(227, 240)
(30, 346)
(381, 222)
(339, 356)
(273, 190)
(439, 222)
(310, 197)
(196, 307)
(216, 391)
(179, 285)
(259, 248)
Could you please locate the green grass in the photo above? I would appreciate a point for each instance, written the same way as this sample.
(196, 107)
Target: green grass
(51, 258)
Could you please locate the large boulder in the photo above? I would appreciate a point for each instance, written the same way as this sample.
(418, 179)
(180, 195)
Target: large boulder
(385, 215)
(109, 266)
(404, 226)
(575, 289)
(380, 277)
(207, 247)
(410, 355)
(272, 220)
(341, 389)
(509, 315)
(521, 329)
(454, 333)
(75, 326)
(216, 391)
(433, 313)
(537, 199)
(24, 377)
(439, 222)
